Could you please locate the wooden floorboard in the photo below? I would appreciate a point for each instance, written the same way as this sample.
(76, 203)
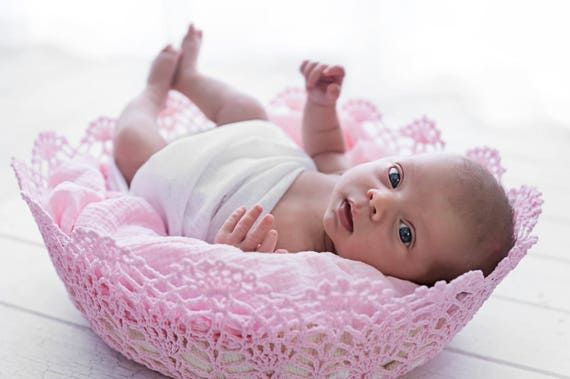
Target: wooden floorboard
(31, 283)
(451, 364)
(540, 282)
(40, 347)
(501, 328)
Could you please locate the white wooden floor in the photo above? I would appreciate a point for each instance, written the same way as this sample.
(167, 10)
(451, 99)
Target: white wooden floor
(523, 331)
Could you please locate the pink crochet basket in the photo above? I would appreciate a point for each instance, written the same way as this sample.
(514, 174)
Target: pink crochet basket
(189, 309)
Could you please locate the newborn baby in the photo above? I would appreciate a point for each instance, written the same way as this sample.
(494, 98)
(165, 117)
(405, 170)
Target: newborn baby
(421, 218)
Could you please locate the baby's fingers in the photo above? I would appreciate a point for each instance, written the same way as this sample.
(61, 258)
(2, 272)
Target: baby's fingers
(315, 75)
(335, 74)
(242, 229)
(257, 235)
(269, 243)
(333, 91)
(336, 71)
(303, 65)
(224, 234)
(307, 67)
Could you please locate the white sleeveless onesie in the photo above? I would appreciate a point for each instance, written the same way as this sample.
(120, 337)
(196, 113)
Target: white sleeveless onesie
(196, 182)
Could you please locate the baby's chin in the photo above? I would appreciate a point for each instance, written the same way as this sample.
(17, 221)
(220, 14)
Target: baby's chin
(333, 249)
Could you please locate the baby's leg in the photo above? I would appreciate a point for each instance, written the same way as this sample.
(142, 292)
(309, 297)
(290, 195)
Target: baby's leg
(218, 101)
(136, 135)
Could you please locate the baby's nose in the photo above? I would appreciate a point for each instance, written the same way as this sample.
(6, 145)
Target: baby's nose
(381, 202)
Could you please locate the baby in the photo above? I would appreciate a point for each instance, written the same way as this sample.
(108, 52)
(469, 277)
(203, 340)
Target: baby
(421, 218)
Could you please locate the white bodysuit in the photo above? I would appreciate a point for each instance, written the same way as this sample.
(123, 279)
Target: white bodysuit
(196, 182)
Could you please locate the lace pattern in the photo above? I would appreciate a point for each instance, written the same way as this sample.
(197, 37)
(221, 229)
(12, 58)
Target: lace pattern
(201, 316)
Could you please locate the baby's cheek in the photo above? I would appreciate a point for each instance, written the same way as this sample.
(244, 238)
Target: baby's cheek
(360, 255)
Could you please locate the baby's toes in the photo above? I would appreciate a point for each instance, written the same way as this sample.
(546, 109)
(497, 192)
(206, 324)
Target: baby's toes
(163, 67)
(167, 57)
(193, 35)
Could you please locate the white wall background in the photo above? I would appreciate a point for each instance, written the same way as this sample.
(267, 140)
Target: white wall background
(510, 59)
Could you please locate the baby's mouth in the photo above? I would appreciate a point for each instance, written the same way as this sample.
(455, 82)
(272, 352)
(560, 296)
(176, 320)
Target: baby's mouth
(345, 215)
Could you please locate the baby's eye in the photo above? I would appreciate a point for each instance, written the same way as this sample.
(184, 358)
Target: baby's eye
(394, 177)
(405, 234)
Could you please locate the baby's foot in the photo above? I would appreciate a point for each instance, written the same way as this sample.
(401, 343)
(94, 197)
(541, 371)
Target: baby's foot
(189, 56)
(161, 74)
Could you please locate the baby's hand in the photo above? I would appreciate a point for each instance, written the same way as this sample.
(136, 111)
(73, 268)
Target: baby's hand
(237, 231)
(323, 82)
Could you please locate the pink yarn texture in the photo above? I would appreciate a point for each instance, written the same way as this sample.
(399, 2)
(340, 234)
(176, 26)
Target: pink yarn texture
(189, 309)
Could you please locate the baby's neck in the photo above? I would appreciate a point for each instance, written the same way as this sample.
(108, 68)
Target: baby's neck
(299, 213)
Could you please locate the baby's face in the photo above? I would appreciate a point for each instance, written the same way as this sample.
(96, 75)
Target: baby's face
(395, 215)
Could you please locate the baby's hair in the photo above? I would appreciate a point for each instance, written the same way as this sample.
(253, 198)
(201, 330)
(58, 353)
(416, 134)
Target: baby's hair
(482, 204)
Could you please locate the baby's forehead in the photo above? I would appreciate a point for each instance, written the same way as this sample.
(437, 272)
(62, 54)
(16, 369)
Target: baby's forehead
(448, 173)
(440, 159)
(437, 168)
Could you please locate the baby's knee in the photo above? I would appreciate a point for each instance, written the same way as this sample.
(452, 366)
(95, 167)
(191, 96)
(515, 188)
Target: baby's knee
(255, 109)
(124, 141)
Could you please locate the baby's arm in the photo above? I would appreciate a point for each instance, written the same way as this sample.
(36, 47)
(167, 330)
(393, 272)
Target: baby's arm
(237, 231)
(323, 138)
